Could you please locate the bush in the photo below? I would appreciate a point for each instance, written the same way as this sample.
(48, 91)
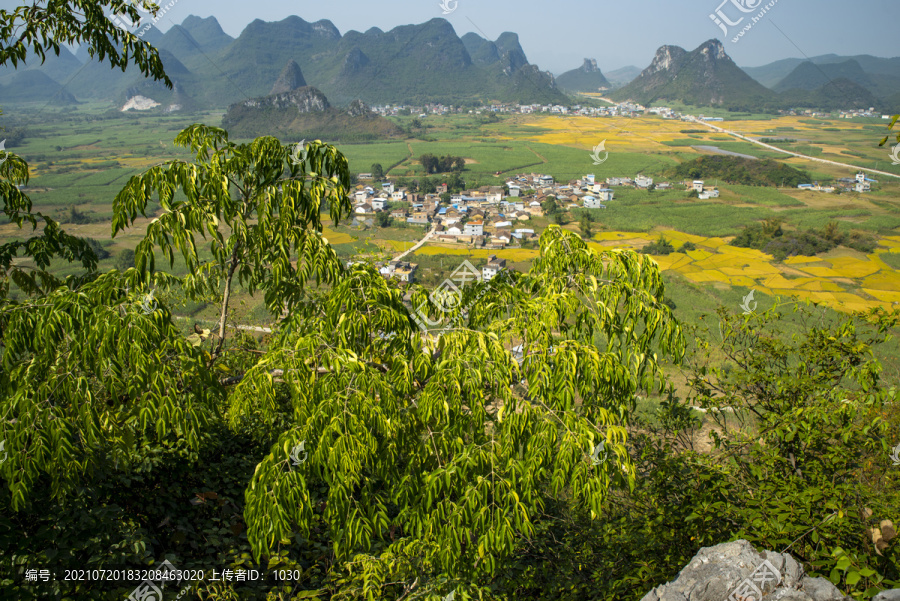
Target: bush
(660, 247)
(688, 246)
(98, 249)
(125, 259)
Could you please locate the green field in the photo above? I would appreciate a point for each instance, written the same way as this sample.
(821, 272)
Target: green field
(81, 158)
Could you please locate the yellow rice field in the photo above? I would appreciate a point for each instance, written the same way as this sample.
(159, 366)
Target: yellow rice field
(844, 283)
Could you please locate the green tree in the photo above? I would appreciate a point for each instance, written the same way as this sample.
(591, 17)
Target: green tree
(804, 429)
(377, 172)
(660, 247)
(585, 225)
(383, 219)
(258, 207)
(125, 259)
(37, 29)
(453, 432)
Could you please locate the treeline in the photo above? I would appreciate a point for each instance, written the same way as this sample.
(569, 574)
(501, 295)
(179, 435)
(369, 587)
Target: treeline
(435, 164)
(770, 238)
(738, 170)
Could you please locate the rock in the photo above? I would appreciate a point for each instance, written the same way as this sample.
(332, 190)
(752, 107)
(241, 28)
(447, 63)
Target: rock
(307, 100)
(893, 595)
(717, 572)
(139, 103)
(358, 108)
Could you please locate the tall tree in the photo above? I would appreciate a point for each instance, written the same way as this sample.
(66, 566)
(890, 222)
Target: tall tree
(260, 207)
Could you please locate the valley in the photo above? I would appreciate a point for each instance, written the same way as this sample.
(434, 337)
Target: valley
(379, 308)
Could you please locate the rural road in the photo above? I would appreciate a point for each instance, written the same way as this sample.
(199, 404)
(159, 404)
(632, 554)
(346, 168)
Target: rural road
(417, 246)
(802, 156)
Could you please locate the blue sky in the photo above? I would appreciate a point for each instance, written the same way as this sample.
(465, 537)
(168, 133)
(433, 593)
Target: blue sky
(558, 35)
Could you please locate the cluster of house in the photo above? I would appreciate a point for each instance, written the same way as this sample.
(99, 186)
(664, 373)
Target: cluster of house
(492, 217)
(842, 114)
(488, 217)
(628, 109)
(860, 184)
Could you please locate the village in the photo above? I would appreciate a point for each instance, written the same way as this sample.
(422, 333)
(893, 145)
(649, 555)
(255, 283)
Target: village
(499, 217)
(493, 217)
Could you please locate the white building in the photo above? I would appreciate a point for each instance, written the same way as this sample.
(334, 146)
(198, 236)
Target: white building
(698, 185)
(493, 267)
(605, 194)
(643, 182)
(474, 228)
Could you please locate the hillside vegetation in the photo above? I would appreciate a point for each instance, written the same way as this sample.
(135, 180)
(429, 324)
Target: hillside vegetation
(738, 170)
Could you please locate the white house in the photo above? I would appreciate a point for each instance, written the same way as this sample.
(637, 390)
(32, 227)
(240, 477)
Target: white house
(474, 228)
(514, 190)
(360, 196)
(398, 195)
(588, 179)
(387, 187)
(378, 204)
(698, 185)
(591, 202)
(454, 231)
(605, 194)
(493, 267)
(521, 233)
(861, 177)
(643, 182)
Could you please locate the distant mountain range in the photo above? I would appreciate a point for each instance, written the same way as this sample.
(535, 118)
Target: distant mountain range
(428, 62)
(708, 77)
(408, 64)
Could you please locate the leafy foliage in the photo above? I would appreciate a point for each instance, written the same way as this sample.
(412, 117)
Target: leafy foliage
(268, 203)
(769, 237)
(434, 164)
(660, 247)
(738, 170)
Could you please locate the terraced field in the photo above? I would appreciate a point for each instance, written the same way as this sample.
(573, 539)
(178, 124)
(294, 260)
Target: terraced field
(843, 280)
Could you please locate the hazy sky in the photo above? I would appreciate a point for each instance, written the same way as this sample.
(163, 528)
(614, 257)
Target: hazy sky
(558, 35)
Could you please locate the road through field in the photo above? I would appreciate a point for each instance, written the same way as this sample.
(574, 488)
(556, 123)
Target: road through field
(802, 156)
(417, 246)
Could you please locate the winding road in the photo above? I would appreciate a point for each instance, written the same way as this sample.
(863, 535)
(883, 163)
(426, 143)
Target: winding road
(794, 154)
